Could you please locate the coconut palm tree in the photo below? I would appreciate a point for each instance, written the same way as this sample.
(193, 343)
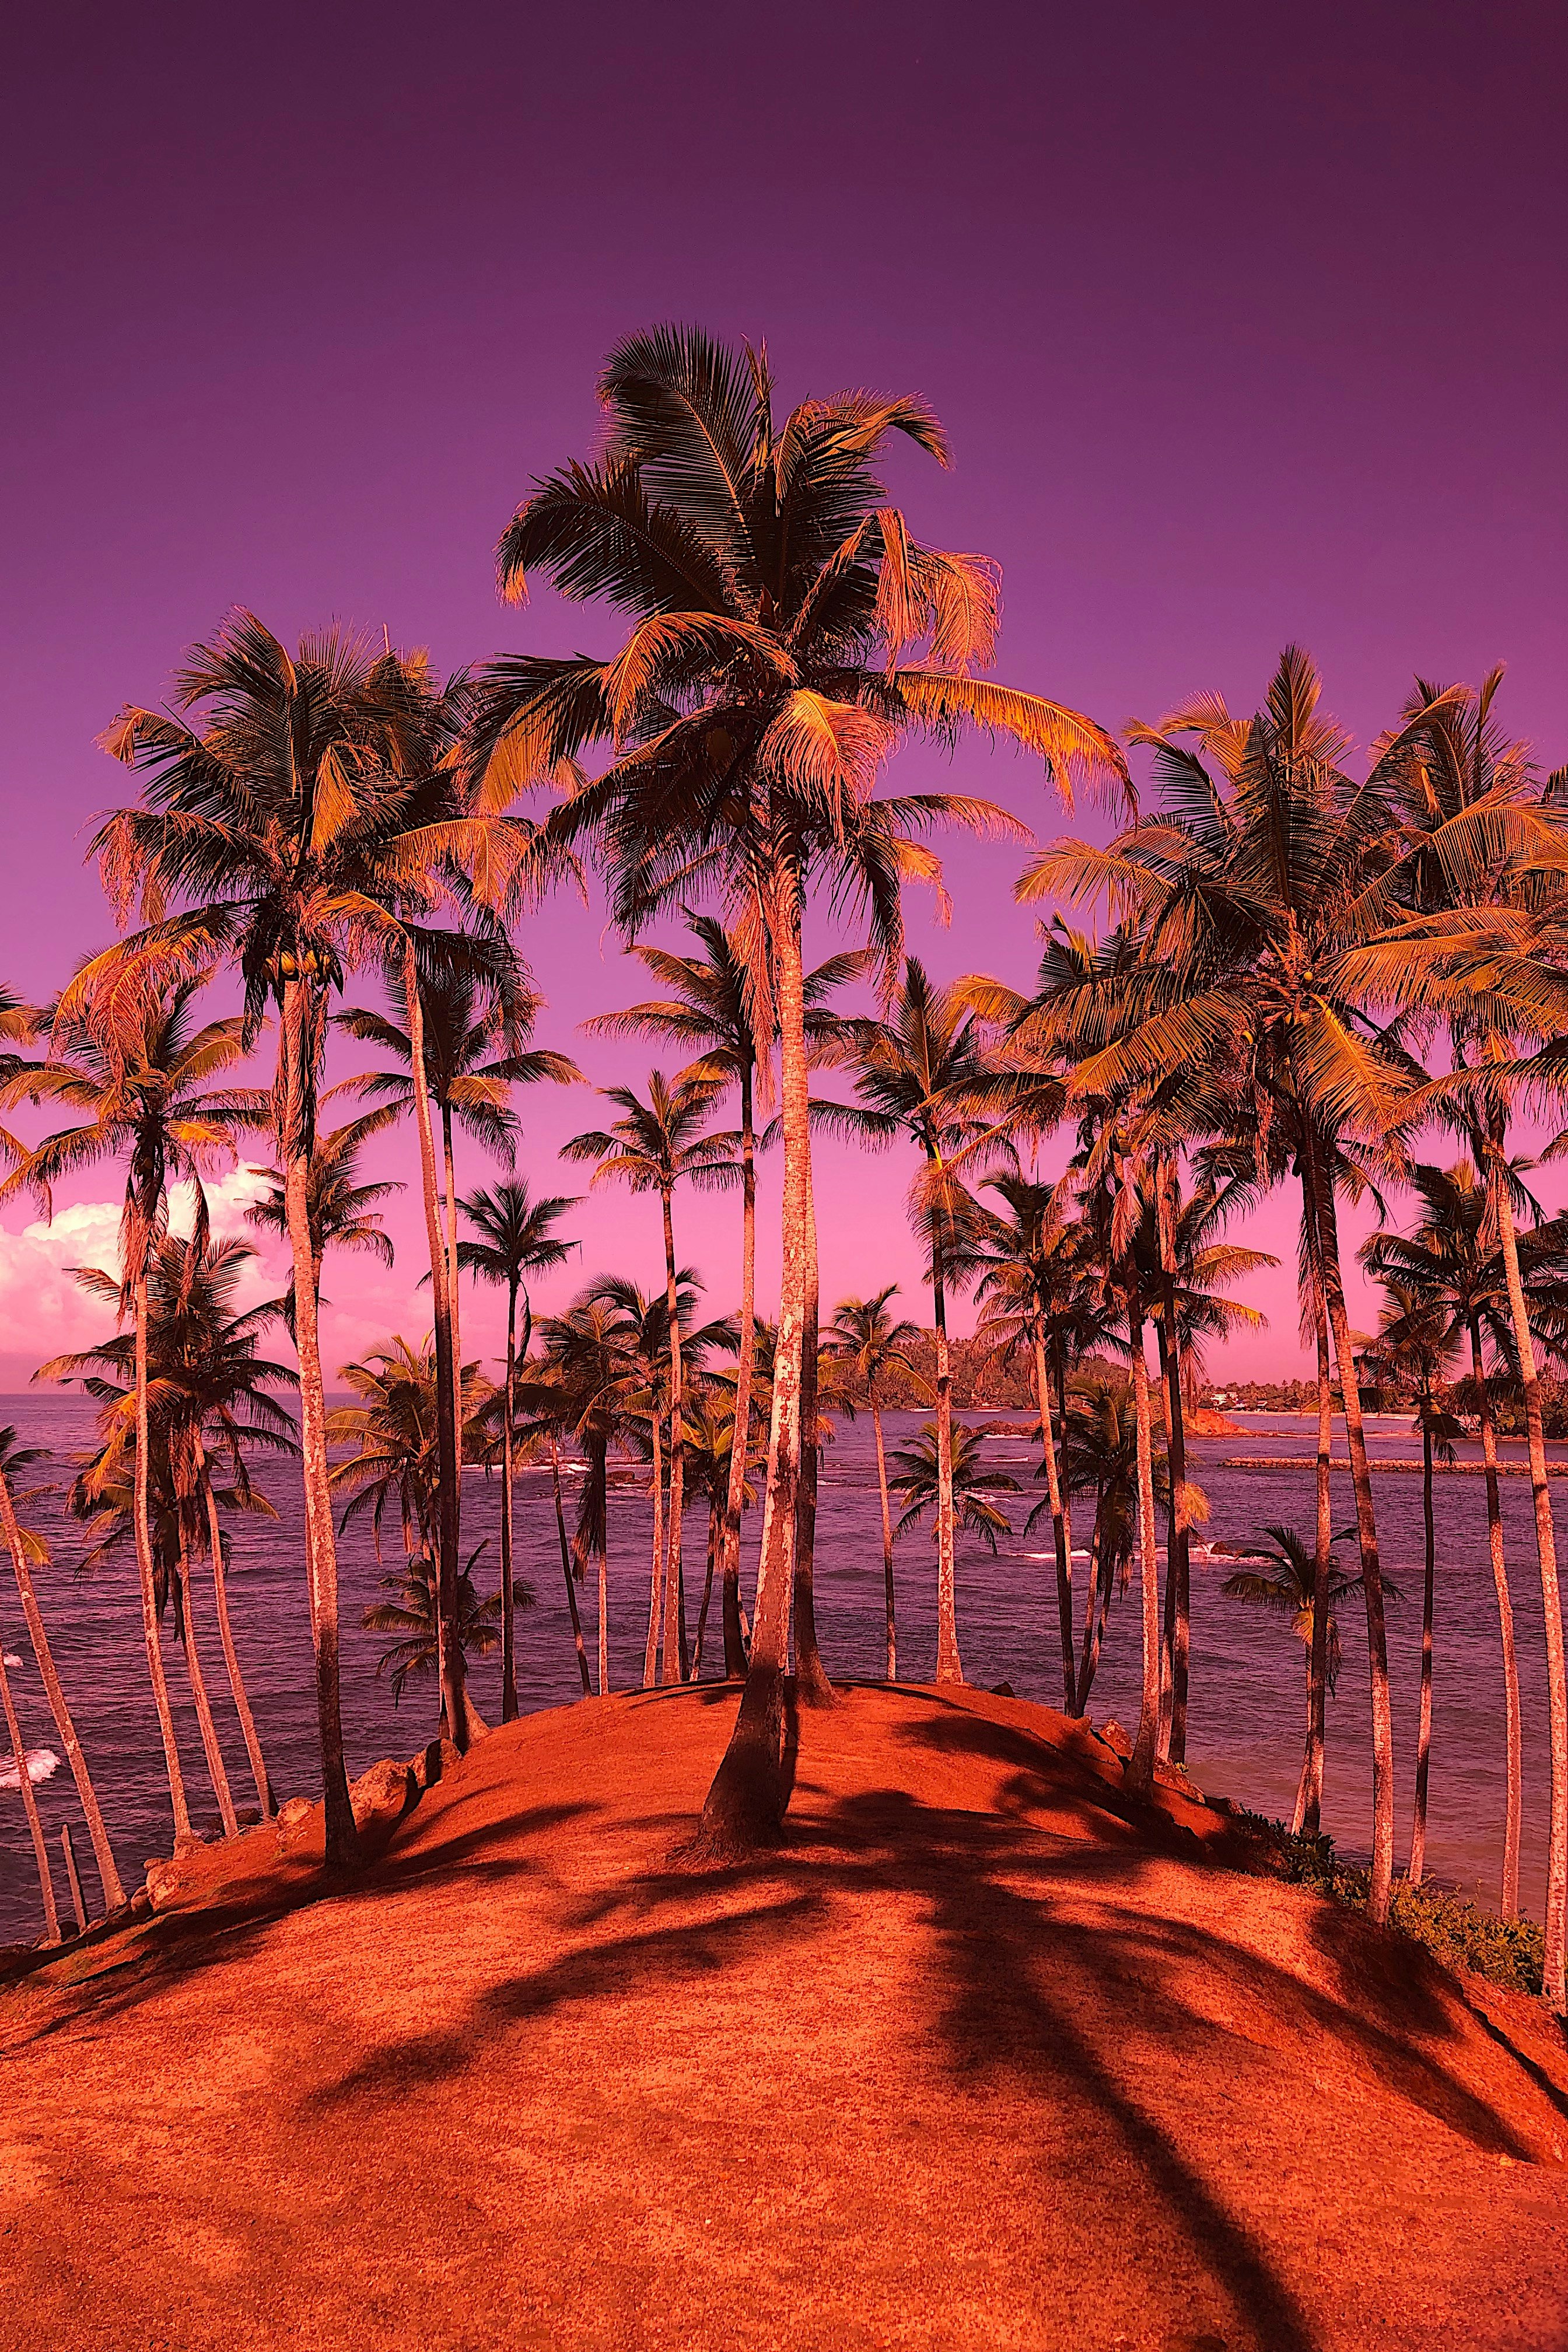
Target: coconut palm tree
(1451, 1262)
(923, 1075)
(1241, 904)
(395, 1431)
(709, 1438)
(212, 1399)
(15, 1459)
(786, 630)
(653, 1146)
(411, 1616)
(1102, 1456)
(513, 1240)
(866, 1342)
(136, 1068)
(303, 815)
(919, 1476)
(1283, 1576)
(590, 1375)
(341, 1212)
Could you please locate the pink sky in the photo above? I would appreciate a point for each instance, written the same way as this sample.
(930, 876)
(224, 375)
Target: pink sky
(1247, 326)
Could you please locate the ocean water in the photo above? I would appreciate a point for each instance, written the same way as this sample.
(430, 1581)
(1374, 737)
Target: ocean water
(1247, 1675)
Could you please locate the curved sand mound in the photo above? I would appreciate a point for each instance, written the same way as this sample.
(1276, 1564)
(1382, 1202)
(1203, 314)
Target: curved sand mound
(979, 2059)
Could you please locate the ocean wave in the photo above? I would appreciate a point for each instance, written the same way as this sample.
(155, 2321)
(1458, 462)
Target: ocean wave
(10, 1661)
(42, 1762)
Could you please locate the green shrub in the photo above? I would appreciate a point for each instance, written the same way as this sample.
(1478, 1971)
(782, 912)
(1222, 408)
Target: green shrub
(1508, 1952)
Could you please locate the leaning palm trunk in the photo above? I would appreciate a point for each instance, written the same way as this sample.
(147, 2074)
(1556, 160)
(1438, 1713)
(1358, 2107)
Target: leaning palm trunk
(1331, 1283)
(1141, 1763)
(745, 1361)
(1546, 1545)
(887, 1538)
(566, 1568)
(30, 1805)
(812, 1685)
(448, 1649)
(1417, 1869)
(113, 1892)
(453, 1312)
(1178, 1565)
(321, 1547)
(949, 1664)
(144, 1536)
(1102, 1569)
(216, 1771)
(745, 1804)
(677, 1658)
(1061, 1526)
(715, 1535)
(1308, 1813)
(226, 1635)
(1513, 1731)
(508, 1583)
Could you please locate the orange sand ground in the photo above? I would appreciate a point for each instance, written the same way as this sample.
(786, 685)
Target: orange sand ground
(973, 2061)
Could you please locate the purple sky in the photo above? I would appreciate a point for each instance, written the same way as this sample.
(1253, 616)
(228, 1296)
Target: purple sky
(1247, 324)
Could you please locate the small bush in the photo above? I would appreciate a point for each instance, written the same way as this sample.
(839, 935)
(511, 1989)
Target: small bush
(1508, 1952)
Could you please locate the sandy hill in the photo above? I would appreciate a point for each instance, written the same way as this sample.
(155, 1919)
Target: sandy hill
(978, 2059)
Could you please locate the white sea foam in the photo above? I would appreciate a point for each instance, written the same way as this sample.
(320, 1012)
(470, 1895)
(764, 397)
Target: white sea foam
(41, 1763)
(10, 1661)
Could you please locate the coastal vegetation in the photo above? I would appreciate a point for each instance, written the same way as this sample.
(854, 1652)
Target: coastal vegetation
(1308, 966)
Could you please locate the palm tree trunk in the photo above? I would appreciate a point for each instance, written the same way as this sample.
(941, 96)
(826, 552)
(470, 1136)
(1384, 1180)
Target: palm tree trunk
(226, 1636)
(677, 1659)
(567, 1570)
(1100, 1570)
(812, 1685)
(1514, 1728)
(217, 1771)
(1141, 1763)
(1059, 1528)
(1332, 1282)
(887, 1537)
(103, 1853)
(1546, 1546)
(30, 1805)
(143, 1534)
(599, 1474)
(745, 1361)
(949, 1664)
(299, 1025)
(1178, 1564)
(745, 1805)
(449, 1650)
(454, 1307)
(652, 1664)
(1417, 1869)
(507, 1580)
(715, 1535)
(1309, 1816)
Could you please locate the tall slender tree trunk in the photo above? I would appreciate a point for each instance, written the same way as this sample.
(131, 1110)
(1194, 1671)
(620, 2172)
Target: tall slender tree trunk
(1309, 1814)
(1101, 1567)
(1546, 1546)
(599, 1472)
(454, 1309)
(676, 1656)
(886, 1537)
(508, 1525)
(103, 1853)
(1141, 1763)
(450, 1649)
(300, 1029)
(567, 1570)
(745, 1363)
(216, 1771)
(1178, 1563)
(1333, 1284)
(29, 1803)
(1060, 1530)
(144, 1533)
(652, 1665)
(812, 1685)
(745, 1805)
(949, 1664)
(1513, 1729)
(226, 1635)
(1417, 1870)
(715, 1537)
